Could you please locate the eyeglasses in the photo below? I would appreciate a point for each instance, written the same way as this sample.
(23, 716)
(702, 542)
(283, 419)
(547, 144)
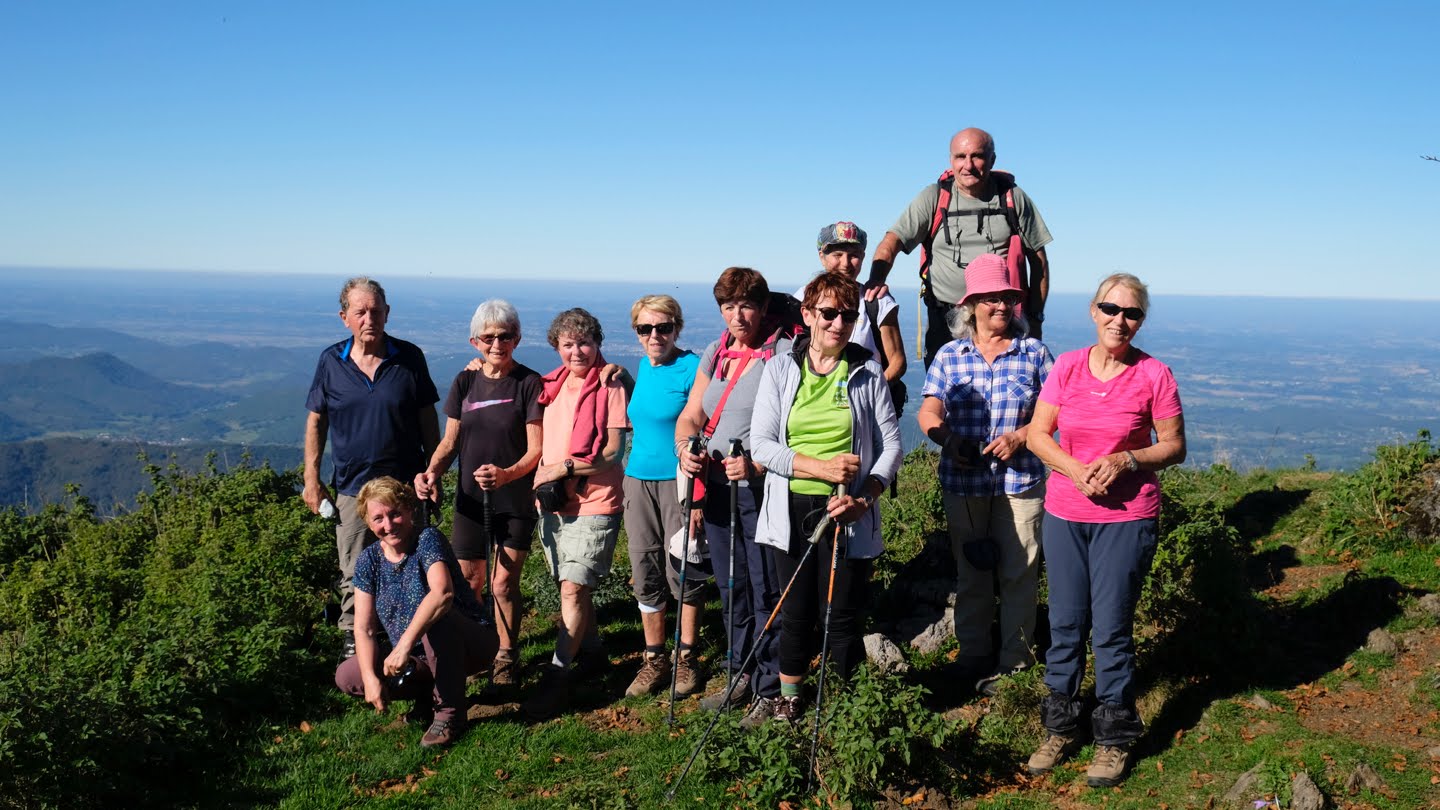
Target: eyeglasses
(644, 329)
(503, 337)
(1133, 313)
(996, 299)
(831, 313)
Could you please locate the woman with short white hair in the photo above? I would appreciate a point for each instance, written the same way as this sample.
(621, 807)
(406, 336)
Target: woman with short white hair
(492, 423)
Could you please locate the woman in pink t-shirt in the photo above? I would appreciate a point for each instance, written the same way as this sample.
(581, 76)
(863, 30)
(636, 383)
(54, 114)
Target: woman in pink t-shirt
(1100, 526)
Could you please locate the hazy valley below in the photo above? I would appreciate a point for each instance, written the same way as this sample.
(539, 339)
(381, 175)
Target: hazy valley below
(100, 367)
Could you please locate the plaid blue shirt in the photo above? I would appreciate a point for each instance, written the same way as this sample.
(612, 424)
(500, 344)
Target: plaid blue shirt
(982, 402)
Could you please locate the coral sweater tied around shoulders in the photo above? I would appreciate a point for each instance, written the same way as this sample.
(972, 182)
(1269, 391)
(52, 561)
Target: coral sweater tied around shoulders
(587, 437)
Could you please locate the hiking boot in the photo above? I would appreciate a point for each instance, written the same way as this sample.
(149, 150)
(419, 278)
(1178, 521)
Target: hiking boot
(1055, 750)
(789, 709)
(592, 662)
(760, 711)
(347, 646)
(550, 695)
(739, 696)
(506, 670)
(651, 675)
(443, 732)
(687, 674)
(1107, 769)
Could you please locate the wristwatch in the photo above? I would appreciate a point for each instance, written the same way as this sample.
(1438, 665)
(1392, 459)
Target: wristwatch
(569, 467)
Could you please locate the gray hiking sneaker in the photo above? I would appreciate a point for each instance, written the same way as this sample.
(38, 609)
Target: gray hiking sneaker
(760, 711)
(1055, 750)
(687, 674)
(739, 696)
(651, 675)
(1107, 769)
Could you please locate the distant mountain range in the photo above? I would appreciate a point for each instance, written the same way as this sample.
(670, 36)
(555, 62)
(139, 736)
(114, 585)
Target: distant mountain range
(77, 405)
(110, 473)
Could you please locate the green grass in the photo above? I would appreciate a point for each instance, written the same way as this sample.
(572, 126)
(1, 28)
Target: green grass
(1210, 645)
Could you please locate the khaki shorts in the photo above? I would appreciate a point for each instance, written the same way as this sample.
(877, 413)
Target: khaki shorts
(579, 548)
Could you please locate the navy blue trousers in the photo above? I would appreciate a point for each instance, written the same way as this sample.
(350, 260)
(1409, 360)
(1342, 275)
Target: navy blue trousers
(1095, 573)
(757, 587)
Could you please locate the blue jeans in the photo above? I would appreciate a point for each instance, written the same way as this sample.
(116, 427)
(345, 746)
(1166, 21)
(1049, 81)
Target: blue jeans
(1095, 573)
(757, 587)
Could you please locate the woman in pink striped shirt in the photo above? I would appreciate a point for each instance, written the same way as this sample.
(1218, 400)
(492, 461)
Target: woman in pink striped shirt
(1118, 413)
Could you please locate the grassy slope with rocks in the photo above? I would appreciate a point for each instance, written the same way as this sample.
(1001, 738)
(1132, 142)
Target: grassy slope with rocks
(1259, 659)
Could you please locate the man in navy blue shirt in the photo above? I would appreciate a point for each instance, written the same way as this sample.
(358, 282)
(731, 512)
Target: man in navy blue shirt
(373, 396)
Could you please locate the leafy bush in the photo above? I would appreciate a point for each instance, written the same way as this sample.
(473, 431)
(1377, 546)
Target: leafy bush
(136, 646)
(873, 732)
(1197, 580)
(1365, 511)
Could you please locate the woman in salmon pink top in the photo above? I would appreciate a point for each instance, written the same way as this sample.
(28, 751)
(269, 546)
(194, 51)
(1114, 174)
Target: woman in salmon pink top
(1118, 413)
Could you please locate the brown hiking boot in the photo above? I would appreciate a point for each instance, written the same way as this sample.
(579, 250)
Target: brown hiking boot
(1107, 769)
(550, 695)
(687, 674)
(789, 709)
(760, 711)
(506, 670)
(1055, 750)
(443, 732)
(653, 670)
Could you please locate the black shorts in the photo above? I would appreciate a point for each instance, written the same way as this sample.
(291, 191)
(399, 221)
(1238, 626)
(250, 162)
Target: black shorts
(470, 541)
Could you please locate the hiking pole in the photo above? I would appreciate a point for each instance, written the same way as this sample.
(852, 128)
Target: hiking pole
(754, 648)
(487, 517)
(692, 447)
(736, 449)
(824, 651)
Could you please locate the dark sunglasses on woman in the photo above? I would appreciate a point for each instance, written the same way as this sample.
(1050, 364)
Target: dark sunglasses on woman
(1133, 313)
(831, 313)
(644, 329)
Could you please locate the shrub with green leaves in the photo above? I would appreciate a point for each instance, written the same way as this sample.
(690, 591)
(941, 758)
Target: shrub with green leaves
(1365, 511)
(1197, 583)
(136, 646)
(875, 730)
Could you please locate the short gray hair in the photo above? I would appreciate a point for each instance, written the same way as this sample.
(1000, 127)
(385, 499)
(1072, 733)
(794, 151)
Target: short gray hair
(495, 312)
(361, 281)
(577, 321)
(961, 322)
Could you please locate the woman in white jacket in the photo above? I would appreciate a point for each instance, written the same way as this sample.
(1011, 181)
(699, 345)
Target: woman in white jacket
(825, 428)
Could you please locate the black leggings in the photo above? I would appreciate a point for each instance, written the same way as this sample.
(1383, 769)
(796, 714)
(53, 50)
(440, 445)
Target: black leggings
(803, 614)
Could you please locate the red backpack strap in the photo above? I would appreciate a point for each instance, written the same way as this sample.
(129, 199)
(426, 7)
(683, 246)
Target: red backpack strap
(945, 184)
(1015, 250)
(714, 421)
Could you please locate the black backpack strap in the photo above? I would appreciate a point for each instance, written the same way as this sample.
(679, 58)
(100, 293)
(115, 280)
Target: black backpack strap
(872, 311)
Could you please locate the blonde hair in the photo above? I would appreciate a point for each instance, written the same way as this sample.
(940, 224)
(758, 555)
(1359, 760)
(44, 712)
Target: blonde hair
(663, 304)
(1129, 282)
(385, 490)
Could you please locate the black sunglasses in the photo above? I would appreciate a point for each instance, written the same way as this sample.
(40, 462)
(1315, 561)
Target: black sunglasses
(831, 313)
(1133, 313)
(503, 337)
(644, 329)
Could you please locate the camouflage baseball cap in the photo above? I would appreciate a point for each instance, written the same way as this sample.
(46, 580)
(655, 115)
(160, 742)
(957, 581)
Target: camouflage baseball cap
(841, 233)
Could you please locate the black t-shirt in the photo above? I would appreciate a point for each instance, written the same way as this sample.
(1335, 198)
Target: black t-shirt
(493, 415)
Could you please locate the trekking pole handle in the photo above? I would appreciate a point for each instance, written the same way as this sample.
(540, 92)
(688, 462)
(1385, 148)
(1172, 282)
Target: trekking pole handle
(692, 445)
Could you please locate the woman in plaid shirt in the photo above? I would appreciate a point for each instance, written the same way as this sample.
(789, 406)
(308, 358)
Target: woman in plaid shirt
(979, 396)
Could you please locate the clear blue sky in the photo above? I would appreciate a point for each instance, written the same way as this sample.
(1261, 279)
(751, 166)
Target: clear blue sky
(1245, 148)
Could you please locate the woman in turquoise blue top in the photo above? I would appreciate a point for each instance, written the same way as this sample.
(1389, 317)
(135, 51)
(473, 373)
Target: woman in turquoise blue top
(653, 513)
